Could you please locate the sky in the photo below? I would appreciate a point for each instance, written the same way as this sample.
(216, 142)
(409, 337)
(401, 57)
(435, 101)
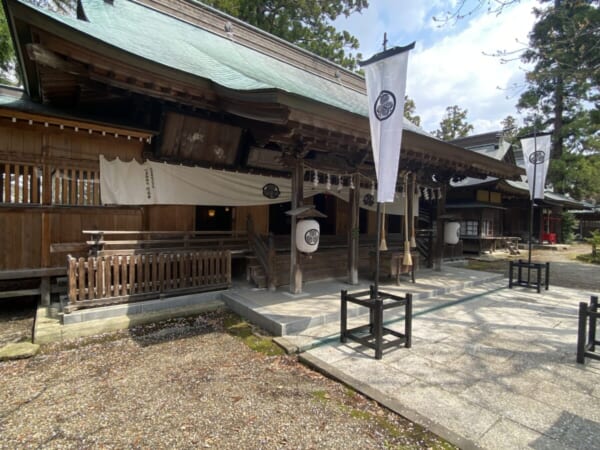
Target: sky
(450, 64)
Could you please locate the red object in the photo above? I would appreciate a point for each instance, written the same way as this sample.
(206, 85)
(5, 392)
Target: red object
(550, 237)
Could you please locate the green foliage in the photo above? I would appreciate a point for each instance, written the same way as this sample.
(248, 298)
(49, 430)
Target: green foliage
(594, 241)
(509, 128)
(563, 86)
(567, 225)
(576, 175)
(9, 69)
(454, 124)
(7, 54)
(409, 111)
(306, 23)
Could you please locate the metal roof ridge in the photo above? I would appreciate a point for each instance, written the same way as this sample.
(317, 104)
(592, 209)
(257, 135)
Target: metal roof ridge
(199, 6)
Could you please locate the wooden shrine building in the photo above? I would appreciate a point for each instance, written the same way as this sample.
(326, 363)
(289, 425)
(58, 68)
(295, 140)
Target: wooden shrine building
(156, 140)
(494, 212)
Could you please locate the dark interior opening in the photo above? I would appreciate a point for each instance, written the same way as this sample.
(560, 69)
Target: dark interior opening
(213, 218)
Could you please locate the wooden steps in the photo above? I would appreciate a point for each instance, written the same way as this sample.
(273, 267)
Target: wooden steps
(328, 263)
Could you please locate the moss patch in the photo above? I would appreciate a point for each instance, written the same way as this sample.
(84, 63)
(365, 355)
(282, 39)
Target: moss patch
(488, 266)
(250, 335)
(321, 396)
(18, 350)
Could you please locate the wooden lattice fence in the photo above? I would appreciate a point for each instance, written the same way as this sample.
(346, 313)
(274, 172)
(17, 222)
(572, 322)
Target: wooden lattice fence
(103, 280)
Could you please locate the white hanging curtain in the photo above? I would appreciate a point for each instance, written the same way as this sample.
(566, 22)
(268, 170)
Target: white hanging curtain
(152, 183)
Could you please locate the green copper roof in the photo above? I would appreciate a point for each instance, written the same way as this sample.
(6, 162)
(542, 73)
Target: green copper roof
(168, 41)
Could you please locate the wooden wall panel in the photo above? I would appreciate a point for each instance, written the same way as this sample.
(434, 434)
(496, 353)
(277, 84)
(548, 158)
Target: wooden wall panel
(342, 217)
(371, 223)
(20, 239)
(259, 214)
(170, 217)
(66, 225)
(16, 142)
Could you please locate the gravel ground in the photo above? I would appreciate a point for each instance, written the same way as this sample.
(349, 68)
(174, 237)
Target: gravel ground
(565, 269)
(187, 383)
(16, 320)
(192, 383)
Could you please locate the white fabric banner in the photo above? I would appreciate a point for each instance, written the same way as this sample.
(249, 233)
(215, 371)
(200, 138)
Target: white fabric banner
(536, 153)
(152, 183)
(385, 74)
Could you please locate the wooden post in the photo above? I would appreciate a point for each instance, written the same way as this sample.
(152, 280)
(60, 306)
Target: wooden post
(353, 232)
(439, 241)
(297, 201)
(45, 225)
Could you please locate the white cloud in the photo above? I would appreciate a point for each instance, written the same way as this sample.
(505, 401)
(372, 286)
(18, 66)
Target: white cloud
(448, 65)
(455, 71)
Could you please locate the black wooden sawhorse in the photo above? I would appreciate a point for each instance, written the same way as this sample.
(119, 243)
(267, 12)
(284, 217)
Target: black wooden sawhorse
(587, 349)
(537, 268)
(371, 335)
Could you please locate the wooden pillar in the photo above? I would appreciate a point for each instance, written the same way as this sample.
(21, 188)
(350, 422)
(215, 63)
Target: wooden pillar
(46, 231)
(438, 253)
(354, 231)
(297, 201)
(410, 199)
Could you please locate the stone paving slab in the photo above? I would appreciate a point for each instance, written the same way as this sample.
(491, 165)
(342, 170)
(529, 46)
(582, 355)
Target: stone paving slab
(284, 314)
(497, 371)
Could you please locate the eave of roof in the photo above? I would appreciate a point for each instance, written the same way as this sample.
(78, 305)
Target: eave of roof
(474, 205)
(230, 67)
(15, 103)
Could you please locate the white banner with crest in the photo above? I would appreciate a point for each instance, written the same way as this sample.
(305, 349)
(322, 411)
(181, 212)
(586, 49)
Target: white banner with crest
(536, 153)
(385, 75)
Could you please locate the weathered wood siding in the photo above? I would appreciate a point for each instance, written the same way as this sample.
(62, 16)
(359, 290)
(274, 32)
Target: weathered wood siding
(259, 214)
(49, 190)
(170, 218)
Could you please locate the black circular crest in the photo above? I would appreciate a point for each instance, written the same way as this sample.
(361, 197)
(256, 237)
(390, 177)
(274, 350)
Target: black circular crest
(537, 157)
(384, 105)
(368, 200)
(311, 237)
(271, 190)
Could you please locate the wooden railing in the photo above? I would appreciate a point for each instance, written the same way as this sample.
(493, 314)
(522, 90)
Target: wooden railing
(23, 183)
(103, 280)
(424, 239)
(265, 253)
(20, 183)
(109, 242)
(75, 186)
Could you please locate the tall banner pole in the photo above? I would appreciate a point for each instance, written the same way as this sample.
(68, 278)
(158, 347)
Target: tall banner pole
(385, 75)
(536, 152)
(532, 207)
(377, 251)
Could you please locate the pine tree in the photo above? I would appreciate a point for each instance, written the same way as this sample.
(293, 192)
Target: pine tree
(410, 109)
(563, 88)
(454, 124)
(305, 23)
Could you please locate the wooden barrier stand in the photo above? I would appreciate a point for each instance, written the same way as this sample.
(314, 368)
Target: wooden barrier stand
(371, 335)
(104, 280)
(587, 349)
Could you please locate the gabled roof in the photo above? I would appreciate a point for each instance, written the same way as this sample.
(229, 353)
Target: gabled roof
(128, 46)
(188, 48)
(490, 144)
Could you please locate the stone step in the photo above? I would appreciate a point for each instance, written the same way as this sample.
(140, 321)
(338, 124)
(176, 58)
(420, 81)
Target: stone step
(286, 314)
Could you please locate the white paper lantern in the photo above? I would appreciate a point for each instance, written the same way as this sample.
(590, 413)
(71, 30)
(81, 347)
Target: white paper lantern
(307, 235)
(451, 233)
